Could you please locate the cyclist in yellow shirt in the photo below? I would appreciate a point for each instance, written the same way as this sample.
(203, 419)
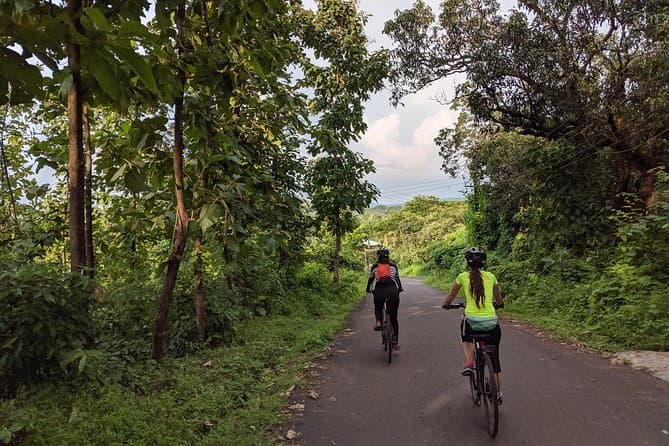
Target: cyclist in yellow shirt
(480, 288)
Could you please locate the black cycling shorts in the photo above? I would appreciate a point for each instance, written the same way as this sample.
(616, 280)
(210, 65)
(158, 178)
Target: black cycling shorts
(494, 337)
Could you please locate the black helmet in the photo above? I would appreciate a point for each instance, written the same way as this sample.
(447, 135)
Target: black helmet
(383, 252)
(475, 257)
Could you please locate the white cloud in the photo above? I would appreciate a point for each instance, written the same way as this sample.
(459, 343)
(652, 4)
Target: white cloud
(382, 130)
(400, 140)
(429, 128)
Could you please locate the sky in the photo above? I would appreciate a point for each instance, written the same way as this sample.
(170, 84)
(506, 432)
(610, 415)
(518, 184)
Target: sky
(400, 140)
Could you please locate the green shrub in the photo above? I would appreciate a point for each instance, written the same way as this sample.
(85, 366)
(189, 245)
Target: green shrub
(44, 317)
(123, 318)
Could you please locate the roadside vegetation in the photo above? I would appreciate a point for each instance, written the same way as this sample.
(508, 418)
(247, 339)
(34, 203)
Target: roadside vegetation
(233, 393)
(564, 137)
(177, 185)
(610, 298)
(200, 236)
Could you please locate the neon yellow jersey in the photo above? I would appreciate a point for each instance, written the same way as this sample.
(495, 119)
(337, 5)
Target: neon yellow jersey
(487, 309)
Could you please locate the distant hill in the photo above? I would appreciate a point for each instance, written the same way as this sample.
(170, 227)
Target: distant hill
(383, 209)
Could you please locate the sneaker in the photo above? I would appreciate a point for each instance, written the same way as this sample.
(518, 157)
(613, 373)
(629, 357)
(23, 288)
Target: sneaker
(500, 398)
(468, 370)
(378, 326)
(396, 345)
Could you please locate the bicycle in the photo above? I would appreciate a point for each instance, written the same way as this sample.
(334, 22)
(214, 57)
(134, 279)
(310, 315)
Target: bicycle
(482, 382)
(387, 334)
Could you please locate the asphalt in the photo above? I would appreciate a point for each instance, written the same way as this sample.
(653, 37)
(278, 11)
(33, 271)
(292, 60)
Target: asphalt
(554, 393)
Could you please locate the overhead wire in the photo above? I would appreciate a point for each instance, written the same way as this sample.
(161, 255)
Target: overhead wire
(402, 193)
(561, 167)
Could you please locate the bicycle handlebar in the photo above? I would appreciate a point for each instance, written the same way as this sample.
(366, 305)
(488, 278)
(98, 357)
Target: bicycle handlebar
(462, 305)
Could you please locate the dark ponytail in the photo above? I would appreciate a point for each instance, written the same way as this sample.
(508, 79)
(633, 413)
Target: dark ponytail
(476, 287)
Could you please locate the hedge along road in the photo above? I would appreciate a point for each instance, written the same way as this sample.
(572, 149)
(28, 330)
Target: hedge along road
(554, 394)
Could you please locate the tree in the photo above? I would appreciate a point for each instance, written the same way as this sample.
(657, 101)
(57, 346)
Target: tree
(345, 80)
(75, 142)
(337, 190)
(77, 44)
(241, 115)
(591, 73)
(182, 219)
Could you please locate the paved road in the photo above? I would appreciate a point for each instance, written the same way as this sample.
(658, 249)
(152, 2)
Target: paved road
(554, 394)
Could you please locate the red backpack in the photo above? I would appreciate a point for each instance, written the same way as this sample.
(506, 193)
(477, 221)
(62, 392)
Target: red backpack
(383, 274)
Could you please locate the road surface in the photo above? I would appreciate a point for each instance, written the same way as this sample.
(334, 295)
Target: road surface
(554, 394)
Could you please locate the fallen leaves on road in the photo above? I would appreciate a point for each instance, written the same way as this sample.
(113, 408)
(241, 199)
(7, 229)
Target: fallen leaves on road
(291, 434)
(296, 406)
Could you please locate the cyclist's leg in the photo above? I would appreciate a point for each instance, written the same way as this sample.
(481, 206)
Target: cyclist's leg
(379, 301)
(467, 346)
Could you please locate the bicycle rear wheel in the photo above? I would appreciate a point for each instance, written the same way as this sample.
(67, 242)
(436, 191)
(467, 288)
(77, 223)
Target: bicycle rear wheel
(489, 394)
(389, 334)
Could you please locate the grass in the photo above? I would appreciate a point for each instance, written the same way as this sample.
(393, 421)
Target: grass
(231, 395)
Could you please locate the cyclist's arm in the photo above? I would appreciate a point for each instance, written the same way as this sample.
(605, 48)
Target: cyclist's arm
(397, 279)
(369, 284)
(453, 293)
(498, 294)
(370, 279)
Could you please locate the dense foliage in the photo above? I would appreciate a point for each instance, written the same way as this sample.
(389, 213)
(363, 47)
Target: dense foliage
(564, 131)
(225, 395)
(414, 232)
(157, 191)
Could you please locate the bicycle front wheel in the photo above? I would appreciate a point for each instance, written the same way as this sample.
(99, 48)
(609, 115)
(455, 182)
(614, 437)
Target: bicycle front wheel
(489, 394)
(474, 389)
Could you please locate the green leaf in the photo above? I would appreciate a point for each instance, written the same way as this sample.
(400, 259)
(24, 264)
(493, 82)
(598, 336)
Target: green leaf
(5, 435)
(209, 214)
(103, 72)
(118, 174)
(98, 18)
(139, 66)
(65, 85)
(24, 78)
(24, 5)
(70, 357)
(9, 343)
(135, 180)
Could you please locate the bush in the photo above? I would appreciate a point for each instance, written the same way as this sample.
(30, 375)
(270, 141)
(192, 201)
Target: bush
(123, 318)
(44, 318)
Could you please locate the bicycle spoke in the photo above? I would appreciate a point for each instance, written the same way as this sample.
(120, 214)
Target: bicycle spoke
(490, 396)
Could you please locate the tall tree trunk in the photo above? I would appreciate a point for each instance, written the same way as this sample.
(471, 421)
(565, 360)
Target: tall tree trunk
(335, 266)
(160, 333)
(200, 301)
(198, 270)
(283, 257)
(11, 203)
(88, 195)
(75, 146)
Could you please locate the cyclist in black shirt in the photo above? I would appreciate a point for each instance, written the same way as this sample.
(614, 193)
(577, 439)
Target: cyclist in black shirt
(388, 287)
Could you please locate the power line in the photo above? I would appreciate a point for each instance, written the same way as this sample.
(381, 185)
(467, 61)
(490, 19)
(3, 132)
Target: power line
(400, 196)
(561, 167)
